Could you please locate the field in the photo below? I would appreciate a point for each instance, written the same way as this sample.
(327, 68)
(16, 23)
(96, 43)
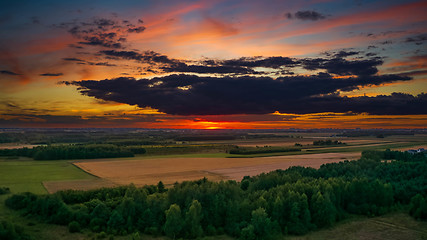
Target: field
(169, 170)
(176, 165)
(25, 175)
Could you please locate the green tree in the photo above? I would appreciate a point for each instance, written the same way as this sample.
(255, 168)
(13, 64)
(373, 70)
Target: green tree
(161, 187)
(262, 224)
(248, 233)
(73, 227)
(323, 211)
(418, 207)
(193, 218)
(174, 221)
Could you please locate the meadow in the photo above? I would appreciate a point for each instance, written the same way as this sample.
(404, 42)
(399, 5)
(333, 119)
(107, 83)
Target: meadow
(27, 175)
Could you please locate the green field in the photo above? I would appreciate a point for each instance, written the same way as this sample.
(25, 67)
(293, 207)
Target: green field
(24, 175)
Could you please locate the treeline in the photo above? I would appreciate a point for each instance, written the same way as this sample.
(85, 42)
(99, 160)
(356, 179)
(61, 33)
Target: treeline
(265, 149)
(327, 142)
(292, 201)
(74, 151)
(186, 148)
(205, 137)
(90, 151)
(384, 133)
(132, 142)
(89, 136)
(11, 231)
(263, 136)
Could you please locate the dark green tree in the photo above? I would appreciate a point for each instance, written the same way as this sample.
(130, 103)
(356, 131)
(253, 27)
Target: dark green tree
(193, 217)
(174, 221)
(262, 224)
(323, 211)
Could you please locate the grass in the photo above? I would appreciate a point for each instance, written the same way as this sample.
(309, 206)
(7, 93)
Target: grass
(392, 226)
(23, 175)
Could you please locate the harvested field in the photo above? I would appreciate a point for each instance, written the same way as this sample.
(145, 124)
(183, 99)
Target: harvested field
(83, 184)
(284, 162)
(169, 170)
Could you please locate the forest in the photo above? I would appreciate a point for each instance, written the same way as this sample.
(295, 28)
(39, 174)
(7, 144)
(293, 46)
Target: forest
(76, 151)
(327, 142)
(292, 201)
(265, 149)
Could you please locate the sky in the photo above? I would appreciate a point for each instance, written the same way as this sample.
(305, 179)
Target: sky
(213, 64)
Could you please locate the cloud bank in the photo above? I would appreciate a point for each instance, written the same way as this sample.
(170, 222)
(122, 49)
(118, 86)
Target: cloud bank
(183, 94)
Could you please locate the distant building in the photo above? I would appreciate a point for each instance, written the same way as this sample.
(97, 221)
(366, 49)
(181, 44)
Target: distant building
(419, 150)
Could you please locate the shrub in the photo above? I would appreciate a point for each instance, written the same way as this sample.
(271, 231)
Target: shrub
(74, 227)
(4, 190)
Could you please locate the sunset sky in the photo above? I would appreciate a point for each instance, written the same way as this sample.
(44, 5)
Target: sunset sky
(213, 64)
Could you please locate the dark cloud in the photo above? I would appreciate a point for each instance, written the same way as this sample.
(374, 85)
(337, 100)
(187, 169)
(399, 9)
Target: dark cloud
(73, 59)
(306, 15)
(94, 41)
(109, 33)
(269, 62)
(101, 64)
(342, 66)
(419, 39)
(136, 29)
(232, 66)
(342, 54)
(147, 56)
(334, 64)
(415, 73)
(6, 72)
(194, 95)
(182, 67)
(394, 104)
(74, 46)
(40, 120)
(51, 74)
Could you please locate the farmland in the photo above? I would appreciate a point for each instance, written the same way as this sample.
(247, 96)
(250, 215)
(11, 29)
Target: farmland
(170, 161)
(173, 161)
(169, 170)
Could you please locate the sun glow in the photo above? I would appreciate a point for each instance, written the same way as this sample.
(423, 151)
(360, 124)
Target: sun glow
(208, 125)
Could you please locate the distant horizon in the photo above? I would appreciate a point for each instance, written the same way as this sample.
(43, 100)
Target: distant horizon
(217, 129)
